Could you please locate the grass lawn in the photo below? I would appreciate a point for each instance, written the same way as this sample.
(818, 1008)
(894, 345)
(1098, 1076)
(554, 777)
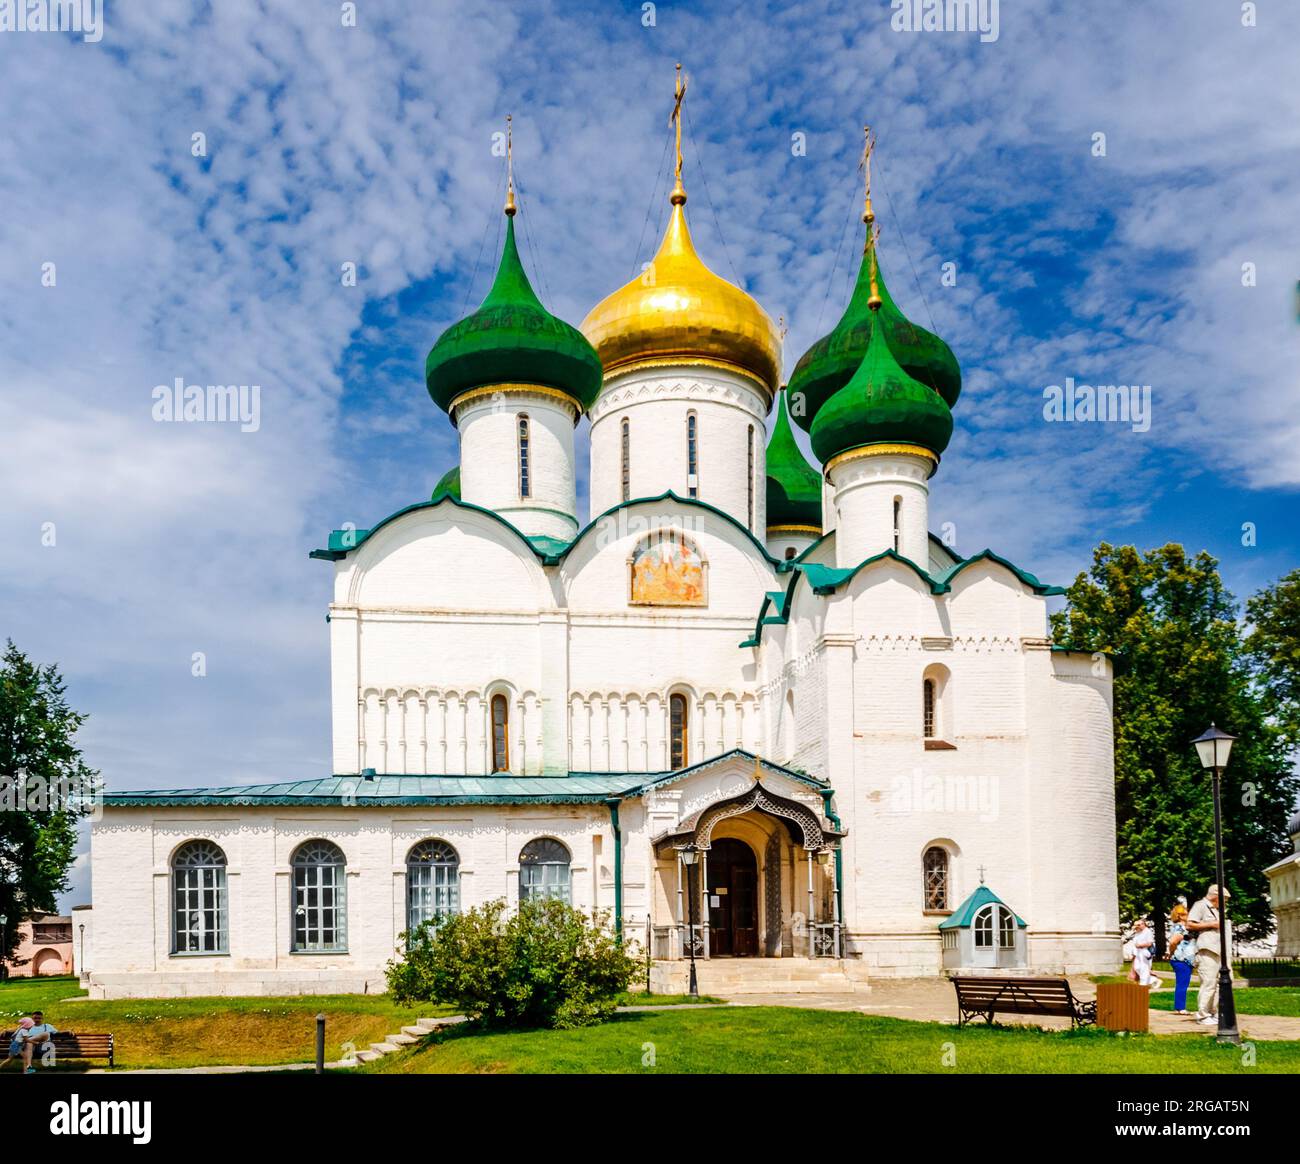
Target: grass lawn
(194, 1032)
(641, 998)
(751, 1040)
(1283, 1000)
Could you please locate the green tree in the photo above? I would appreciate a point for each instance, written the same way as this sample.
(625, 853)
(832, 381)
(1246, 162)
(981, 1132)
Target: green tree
(1274, 645)
(546, 965)
(45, 786)
(1181, 663)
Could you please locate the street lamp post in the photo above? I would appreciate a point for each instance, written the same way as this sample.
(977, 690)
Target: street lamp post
(1213, 748)
(81, 965)
(4, 948)
(689, 858)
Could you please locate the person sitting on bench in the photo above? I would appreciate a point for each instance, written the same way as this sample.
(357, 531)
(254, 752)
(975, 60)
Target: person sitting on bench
(41, 1032)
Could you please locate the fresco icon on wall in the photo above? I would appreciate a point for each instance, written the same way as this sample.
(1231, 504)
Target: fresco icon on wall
(667, 571)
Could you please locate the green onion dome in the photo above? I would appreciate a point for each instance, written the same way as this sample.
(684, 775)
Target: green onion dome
(794, 487)
(828, 365)
(512, 339)
(881, 404)
(449, 483)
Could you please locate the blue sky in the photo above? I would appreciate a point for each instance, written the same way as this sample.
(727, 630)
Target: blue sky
(372, 144)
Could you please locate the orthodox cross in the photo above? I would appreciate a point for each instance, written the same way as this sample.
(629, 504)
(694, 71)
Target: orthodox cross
(981, 874)
(675, 120)
(868, 215)
(510, 171)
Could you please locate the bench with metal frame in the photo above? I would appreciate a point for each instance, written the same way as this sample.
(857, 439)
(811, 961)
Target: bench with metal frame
(981, 996)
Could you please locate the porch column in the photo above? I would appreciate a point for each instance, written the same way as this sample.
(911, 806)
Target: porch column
(704, 898)
(812, 935)
(839, 921)
(681, 949)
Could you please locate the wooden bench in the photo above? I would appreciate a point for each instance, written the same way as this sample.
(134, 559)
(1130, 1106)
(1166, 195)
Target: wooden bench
(986, 996)
(72, 1045)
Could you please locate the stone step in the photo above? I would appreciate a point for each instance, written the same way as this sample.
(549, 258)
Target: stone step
(417, 1032)
(740, 976)
(368, 1056)
(405, 1039)
(383, 1048)
(429, 1024)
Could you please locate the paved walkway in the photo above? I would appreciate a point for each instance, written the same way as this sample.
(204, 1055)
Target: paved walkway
(934, 1000)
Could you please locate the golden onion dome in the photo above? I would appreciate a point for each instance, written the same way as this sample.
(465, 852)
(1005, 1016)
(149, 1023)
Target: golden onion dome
(679, 312)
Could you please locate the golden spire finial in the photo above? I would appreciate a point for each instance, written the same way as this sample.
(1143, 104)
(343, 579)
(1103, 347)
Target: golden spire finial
(510, 172)
(868, 214)
(678, 195)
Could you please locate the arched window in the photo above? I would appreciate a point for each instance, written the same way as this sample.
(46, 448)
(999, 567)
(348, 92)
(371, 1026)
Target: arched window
(678, 723)
(544, 871)
(525, 458)
(937, 724)
(432, 883)
(751, 476)
(995, 923)
(692, 455)
(319, 898)
(789, 553)
(500, 733)
(935, 864)
(626, 437)
(898, 524)
(199, 912)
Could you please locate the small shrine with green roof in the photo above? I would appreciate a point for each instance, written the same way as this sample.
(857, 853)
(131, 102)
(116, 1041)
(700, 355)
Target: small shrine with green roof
(983, 933)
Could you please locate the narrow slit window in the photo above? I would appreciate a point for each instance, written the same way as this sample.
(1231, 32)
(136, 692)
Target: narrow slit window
(927, 708)
(500, 734)
(677, 725)
(627, 458)
(751, 476)
(898, 524)
(692, 456)
(525, 459)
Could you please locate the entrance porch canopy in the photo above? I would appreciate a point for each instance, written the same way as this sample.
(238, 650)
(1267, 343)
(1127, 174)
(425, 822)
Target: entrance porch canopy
(807, 829)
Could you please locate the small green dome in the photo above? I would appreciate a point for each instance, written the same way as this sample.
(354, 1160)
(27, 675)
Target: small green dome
(449, 483)
(794, 487)
(881, 404)
(512, 338)
(828, 365)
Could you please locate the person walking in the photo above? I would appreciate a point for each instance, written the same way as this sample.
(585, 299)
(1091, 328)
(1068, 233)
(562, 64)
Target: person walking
(1203, 921)
(1144, 950)
(1181, 955)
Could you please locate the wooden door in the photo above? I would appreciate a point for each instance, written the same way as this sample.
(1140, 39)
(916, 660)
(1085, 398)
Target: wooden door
(733, 899)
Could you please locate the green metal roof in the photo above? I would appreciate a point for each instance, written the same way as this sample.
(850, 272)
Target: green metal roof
(388, 791)
(794, 487)
(964, 914)
(449, 482)
(831, 362)
(512, 338)
(881, 404)
(827, 579)
(550, 550)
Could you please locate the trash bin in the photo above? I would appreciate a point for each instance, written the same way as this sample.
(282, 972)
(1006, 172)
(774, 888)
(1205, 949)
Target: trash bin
(1123, 1006)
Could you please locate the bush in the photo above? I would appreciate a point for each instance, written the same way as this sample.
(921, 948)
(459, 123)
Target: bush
(547, 965)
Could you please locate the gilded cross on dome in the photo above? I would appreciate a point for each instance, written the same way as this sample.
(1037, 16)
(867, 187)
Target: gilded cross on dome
(675, 120)
(510, 170)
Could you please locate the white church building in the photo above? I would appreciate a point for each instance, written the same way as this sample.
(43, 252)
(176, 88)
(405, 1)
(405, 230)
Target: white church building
(751, 707)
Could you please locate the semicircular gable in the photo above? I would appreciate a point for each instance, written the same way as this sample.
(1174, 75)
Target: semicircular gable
(447, 556)
(596, 573)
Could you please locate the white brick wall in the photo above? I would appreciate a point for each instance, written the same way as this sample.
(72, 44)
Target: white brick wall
(444, 606)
